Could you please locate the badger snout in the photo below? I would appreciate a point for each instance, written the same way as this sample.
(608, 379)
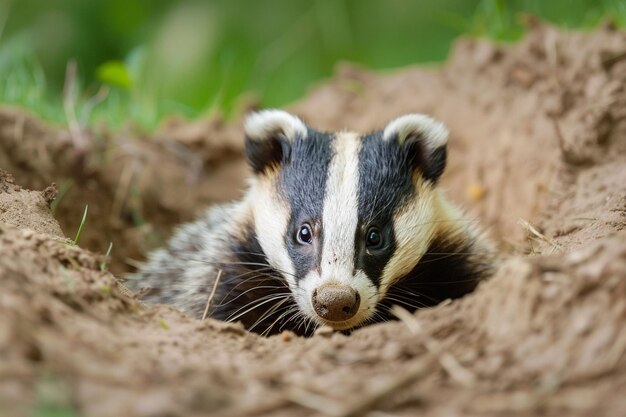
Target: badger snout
(335, 302)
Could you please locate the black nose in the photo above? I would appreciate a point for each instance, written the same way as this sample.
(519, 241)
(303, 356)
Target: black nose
(335, 302)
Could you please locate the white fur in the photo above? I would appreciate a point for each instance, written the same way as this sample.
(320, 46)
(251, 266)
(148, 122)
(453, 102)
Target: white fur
(340, 221)
(263, 124)
(271, 216)
(340, 215)
(433, 131)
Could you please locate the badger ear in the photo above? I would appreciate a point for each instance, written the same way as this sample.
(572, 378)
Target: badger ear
(269, 135)
(424, 139)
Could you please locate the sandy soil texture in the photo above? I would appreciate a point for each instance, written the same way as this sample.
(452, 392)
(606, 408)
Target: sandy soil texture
(537, 154)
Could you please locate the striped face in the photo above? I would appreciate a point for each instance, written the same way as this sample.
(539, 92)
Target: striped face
(342, 216)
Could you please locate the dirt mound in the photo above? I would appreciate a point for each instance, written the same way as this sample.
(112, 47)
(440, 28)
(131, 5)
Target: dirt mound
(27, 209)
(538, 134)
(137, 188)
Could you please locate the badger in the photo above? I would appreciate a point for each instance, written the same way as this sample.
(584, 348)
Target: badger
(334, 229)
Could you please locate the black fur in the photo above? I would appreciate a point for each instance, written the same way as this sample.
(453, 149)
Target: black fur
(303, 183)
(449, 269)
(267, 153)
(385, 181)
(248, 280)
(430, 163)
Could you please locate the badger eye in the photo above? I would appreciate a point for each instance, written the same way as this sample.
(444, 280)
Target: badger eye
(374, 238)
(305, 236)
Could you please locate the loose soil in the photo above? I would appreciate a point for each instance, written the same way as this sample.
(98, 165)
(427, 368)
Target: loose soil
(537, 155)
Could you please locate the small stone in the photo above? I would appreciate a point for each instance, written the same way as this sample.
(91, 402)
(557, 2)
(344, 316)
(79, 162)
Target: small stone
(50, 193)
(324, 331)
(476, 191)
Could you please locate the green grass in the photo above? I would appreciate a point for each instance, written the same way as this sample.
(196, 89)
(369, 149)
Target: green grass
(80, 227)
(103, 264)
(53, 410)
(53, 398)
(141, 61)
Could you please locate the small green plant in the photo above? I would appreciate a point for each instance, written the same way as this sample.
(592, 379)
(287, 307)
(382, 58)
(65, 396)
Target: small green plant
(105, 289)
(80, 227)
(103, 264)
(53, 398)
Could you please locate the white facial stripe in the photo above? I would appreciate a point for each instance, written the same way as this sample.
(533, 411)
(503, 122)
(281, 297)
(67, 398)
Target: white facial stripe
(414, 227)
(340, 221)
(271, 222)
(340, 215)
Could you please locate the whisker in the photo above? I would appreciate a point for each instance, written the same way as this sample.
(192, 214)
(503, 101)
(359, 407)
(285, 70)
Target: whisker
(261, 301)
(268, 313)
(402, 291)
(258, 277)
(178, 286)
(459, 281)
(237, 263)
(244, 293)
(294, 317)
(283, 286)
(405, 303)
(289, 310)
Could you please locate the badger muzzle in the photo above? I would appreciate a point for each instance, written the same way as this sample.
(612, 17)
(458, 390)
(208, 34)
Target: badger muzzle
(335, 303)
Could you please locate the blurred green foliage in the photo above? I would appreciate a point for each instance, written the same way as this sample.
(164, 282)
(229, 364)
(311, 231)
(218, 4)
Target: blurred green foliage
(158, 57)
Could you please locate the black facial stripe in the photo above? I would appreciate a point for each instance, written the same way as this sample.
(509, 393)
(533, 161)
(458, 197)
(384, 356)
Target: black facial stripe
(246, 277)
(385, 182)
(303, 183)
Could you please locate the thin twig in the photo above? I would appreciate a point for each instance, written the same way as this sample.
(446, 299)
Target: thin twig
(208, 302)
(91, 103)
(69, 105)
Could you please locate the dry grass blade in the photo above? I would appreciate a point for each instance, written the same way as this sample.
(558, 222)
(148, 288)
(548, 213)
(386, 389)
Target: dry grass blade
(69, 105)
(530, 229)
(208, 302)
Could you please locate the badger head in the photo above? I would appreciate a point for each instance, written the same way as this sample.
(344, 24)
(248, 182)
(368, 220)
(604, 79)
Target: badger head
(342, 216)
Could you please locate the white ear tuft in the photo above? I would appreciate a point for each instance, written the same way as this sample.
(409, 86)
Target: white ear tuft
(432, 132)
(424, 140)
(264, 124)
